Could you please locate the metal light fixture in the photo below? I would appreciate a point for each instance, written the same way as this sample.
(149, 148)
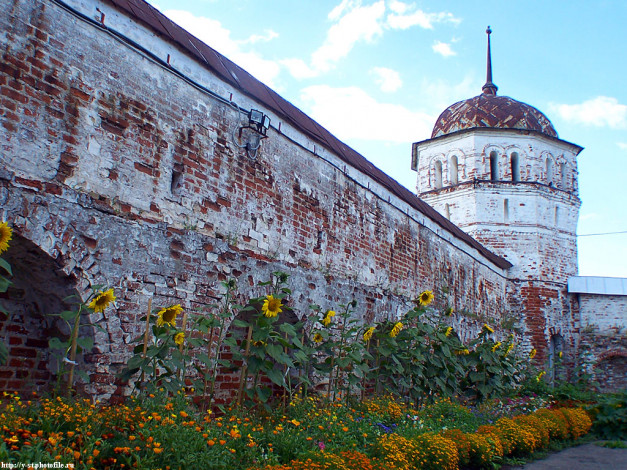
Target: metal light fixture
(253, 133)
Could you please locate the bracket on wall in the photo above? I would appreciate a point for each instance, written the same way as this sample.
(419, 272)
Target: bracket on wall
(251, 135)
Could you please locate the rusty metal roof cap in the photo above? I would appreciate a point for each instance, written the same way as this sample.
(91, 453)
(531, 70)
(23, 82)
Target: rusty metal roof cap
(486, 110)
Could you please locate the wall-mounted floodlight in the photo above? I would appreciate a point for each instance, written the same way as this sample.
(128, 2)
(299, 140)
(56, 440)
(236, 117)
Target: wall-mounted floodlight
(251, 135)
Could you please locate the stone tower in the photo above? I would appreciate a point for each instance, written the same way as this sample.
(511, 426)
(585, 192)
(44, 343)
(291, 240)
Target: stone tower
(496, 168)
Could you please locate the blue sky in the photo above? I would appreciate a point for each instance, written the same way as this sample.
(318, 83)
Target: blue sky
(378, 73)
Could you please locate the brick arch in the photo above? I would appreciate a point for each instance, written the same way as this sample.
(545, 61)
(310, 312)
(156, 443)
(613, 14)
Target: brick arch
(228, 380)
(611, 369)
(40, 288)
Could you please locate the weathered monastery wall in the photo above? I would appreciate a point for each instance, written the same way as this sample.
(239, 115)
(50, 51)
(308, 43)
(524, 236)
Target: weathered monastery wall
(604, 335)
(117, 170)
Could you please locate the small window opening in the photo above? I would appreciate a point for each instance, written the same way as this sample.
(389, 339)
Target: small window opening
(563, 175)
(438, 174)
(447, 211)
(515, 167)
(506, 210)
(549, 171)
(453, 170)
(494, 166)
(177, 176)
(557, 215)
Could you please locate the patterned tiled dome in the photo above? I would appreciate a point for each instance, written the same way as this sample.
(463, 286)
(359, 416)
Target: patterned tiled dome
(489, 110)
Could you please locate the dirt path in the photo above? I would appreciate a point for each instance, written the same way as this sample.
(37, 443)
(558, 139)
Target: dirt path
(584, 457)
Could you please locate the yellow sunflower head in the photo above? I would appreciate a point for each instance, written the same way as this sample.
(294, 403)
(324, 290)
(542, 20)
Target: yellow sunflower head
(449, 330)
(396, 329)
(533, 353)
(318, 338)
(425, 298)
(488, 328)
(102, 301)
(167, 315)
(179, 338)
(496, 346)
(449, 311)
(326, 320)
(5, 236)
(271, 306)
(368, 333)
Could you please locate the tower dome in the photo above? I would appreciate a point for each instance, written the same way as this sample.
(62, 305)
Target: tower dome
(488, 110)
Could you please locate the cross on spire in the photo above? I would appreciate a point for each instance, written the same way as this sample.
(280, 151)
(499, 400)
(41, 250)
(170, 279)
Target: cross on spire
(489, 88)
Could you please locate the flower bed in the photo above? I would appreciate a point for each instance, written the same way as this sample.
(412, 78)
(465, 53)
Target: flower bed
(162, 432)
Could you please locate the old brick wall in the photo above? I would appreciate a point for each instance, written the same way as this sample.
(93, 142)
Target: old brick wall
(604, 338)
(121, 172)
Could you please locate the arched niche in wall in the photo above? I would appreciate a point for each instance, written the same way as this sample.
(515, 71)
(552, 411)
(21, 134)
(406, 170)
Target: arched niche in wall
(38, 293)
(494, 165)
(549, 169)
(514, 162)
(556, 346)
(438, 174)
(228, 379)
(453, 170)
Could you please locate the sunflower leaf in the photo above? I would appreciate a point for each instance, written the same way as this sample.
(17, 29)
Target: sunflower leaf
(6, 266)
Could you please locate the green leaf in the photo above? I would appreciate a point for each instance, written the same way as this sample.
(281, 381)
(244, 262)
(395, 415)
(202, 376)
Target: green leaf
(4, 353)
(86, 343)
(6, 266)
(4, 284)
(263, 393)
(241, 324)
(56, 343)
(276, 376)
(83, 375)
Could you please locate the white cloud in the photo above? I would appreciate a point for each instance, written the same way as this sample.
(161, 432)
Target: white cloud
(388, 80)
(599, 112)
(357, 23)
(443, 49)
(436, 95)
(622, 145)
(212, 32)
(401, 19)
(350, 113)
(267, 36)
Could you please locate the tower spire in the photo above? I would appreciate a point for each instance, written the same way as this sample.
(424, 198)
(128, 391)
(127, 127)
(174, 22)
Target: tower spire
(489, 88)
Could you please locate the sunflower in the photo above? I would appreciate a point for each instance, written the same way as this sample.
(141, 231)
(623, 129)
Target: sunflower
(449, 330)
(533, 353)
(5, 236)
(167, 315)
(425, 298)
(368, 333)
(449, 311)
(326, 320)
(271, 306)
(496, 346)
(462, 352)
(179, 338)
(396, 329)
(540, 375)
(487, 328)
(318, 338)
(509, 348)
(102, 301)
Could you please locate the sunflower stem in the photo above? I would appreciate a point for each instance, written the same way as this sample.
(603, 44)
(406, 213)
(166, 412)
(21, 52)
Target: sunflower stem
(73, 346)
(141, 381)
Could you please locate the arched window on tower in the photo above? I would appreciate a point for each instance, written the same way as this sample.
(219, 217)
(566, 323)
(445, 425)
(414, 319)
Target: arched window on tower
(515, 167)
(453, 170)
(563, 175)
(494, 166)
(438, 174)
(447, 211)
(549, 171)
